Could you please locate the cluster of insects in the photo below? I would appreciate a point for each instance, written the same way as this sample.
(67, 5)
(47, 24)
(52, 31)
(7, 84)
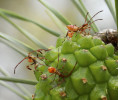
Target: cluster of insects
(53, 70)
(109, 36)
(71, 30)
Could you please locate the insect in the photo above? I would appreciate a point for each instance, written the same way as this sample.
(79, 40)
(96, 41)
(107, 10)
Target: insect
(109, 36)
(33, 59)
(56, 71)
(82, 29)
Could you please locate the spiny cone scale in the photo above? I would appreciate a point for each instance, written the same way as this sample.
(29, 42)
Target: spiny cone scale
(85, 69)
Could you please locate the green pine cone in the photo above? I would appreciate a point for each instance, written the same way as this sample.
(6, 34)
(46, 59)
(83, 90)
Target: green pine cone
(88, 70)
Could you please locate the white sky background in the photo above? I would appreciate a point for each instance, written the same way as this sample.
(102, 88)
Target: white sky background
(34, 10)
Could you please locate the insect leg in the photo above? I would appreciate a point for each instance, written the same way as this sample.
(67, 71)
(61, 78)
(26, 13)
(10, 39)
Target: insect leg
(71, 70)
(28, 67)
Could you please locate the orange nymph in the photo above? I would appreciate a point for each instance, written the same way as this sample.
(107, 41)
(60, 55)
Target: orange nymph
(52, 70)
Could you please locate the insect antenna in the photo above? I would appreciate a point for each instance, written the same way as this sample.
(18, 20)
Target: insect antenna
(95, 21)
(94, 16)
(19, 63)
(86, 17)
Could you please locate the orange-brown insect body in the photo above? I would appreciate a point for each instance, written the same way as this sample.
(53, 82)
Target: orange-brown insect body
(81, 29)
(55, 71)
(73, 28)
(51, 69)
(31, 59)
